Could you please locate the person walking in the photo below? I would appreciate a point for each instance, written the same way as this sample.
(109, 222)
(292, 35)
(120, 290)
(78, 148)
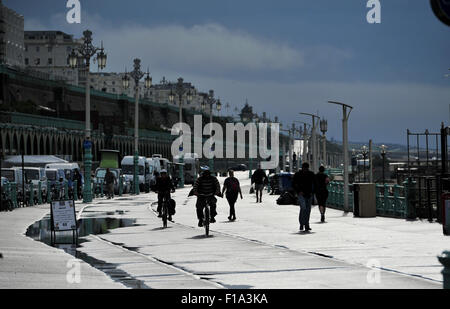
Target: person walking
(322, 181)
(110, 180)
(304, 185)
(259, 178)
(233, 189)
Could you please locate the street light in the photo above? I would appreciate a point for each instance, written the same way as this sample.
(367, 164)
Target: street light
(383, 154)
(364, 151)
(180, 91)
(346, 115)
(324, 129)
(211, 101)
(315, 150)
(136, 75)
(86, 51)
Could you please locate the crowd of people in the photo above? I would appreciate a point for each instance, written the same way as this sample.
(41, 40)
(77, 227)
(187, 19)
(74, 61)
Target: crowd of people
(309, 188)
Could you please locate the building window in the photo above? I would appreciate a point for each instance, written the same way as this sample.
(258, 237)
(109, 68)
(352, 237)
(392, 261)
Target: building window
(50, 61)
(27, 62)
(37, 61)
(50, 49)
(114, 90)
(26, 48)
(38, 49)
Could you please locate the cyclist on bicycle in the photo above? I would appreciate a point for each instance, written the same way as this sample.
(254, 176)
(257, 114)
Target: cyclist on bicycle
(206, 184)
(164, 186)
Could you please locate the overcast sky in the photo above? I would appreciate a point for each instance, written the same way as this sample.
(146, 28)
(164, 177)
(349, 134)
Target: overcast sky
(284, 56)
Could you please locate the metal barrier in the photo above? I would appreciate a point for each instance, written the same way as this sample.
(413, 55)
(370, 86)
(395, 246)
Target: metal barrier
(336, 195)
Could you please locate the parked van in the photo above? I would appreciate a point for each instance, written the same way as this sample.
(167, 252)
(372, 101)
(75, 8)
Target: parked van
(191, 166)
(143, 172)
(36, 175)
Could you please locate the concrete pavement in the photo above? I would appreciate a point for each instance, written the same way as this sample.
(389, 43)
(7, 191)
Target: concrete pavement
(262, 249)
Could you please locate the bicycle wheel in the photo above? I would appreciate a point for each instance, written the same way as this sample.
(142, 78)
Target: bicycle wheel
(206, 220)
(164, 214)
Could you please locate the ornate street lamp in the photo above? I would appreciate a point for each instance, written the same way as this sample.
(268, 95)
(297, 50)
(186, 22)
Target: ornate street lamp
(136, 75)
(85, 52)
(383, 154)
(211, 101)
(180, 91)
(324, 129)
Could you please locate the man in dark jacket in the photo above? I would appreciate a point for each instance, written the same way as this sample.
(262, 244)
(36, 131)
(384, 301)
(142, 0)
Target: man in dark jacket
(163, 186)
(205, 188)
(259, 178)
(303, 183)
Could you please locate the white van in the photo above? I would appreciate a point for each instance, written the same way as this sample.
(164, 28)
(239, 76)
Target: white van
(127, 165)
(36, 175)
(191, 166)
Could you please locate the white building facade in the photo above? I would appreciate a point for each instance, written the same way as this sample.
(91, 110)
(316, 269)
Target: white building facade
(48, 51)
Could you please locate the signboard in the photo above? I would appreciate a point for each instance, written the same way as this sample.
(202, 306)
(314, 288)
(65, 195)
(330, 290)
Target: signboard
(87, 145)
(63, 216)
(441, 9)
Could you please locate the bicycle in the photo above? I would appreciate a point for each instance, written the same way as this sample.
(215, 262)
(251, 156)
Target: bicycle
(206, 212)
(165, 210)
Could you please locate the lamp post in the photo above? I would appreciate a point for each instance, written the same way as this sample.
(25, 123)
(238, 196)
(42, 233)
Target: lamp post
(346, 115)
(324, 129)
(136, 75)
(86, 51)
(315, 150)
(383, 155)
(211, 101)
(180, 91)
(364, 151)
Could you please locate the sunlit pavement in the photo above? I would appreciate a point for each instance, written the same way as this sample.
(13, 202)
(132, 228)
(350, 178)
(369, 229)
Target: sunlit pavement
(262, 249)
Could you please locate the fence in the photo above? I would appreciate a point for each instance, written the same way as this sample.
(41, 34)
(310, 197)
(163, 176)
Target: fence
(391, 200)
(37, 195)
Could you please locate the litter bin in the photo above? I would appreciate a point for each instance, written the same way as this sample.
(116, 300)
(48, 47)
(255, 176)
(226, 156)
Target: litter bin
(446, 212)
(364, 200)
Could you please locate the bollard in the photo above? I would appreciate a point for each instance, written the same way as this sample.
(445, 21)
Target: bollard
(409, 197)
(445, 261)
(75, 190)
(31, 195)
(39, 193)
(49, 193)
(14, 194)
(66, 190)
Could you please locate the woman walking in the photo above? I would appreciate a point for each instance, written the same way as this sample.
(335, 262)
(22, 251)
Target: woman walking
(233, 188)
(322, 181)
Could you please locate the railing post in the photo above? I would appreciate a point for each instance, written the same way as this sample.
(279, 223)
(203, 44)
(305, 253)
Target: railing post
(66, 190)
(445, 261)
(75, 190)
(397, 210)
(386, 207)
(40, 193)
(31, 195)
(409, 197)
(14, 194)
(49, 193)
(120, 185)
